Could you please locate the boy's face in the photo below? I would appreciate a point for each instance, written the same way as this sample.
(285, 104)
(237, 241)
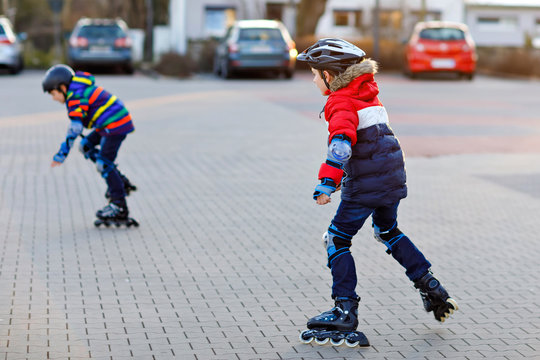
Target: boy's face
(58, 96)
(318, 80)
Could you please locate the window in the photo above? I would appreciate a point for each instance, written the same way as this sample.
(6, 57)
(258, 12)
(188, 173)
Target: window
(443, 34)
(391, 19)
(218, 19)
(255, 34)
(348, 18)
(494, 23)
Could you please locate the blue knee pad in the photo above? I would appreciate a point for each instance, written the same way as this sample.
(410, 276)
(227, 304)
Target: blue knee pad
(88, 149)
(337, 243)
(104, 166)
(389, 237)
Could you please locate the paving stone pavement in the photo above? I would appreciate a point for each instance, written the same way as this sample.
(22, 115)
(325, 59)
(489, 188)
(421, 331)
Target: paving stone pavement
(227, 262)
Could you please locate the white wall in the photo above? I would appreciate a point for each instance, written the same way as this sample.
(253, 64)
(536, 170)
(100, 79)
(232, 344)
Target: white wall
(503, 34)
(451, 10)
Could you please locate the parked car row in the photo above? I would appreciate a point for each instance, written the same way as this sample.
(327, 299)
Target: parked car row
(250, 46)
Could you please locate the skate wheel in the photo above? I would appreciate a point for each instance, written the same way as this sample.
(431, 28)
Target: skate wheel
(321, 341)
(337, 342)
(352, 343)
(107, 224)
(305, 339)
(452, 304)
(117, 224)
(97, 223)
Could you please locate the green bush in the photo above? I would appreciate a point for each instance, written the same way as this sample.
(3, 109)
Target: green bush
(35, 58)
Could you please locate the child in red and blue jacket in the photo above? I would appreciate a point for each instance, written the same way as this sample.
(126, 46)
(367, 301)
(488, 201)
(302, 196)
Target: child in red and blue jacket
(90, 106)
(366, 162)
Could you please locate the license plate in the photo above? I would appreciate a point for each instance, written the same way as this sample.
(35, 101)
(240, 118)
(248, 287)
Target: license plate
(100, 49)
(261, 49)
(443, 63)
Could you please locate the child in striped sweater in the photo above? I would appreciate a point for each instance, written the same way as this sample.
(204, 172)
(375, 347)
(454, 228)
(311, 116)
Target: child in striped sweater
(90, 106)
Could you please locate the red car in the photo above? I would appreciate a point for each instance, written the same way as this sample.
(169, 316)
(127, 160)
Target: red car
(440, 46)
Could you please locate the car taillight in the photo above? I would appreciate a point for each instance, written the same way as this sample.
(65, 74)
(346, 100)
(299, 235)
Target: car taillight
(466, 48)
(419, 47)
(5, 40)
(122, 42)
(78, 42)
(233, 48)
(291, 48)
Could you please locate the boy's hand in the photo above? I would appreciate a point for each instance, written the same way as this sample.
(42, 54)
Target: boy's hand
(323, 199)
(55, 163)
(324, 190)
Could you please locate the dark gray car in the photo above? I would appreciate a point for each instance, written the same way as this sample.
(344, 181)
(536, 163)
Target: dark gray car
(10, 48)
(103, 42)
(256, 45)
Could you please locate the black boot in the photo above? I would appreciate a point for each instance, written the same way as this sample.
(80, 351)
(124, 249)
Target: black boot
(343, 316)
(435, 297)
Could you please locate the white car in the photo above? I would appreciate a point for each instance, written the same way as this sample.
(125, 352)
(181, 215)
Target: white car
(10, 48)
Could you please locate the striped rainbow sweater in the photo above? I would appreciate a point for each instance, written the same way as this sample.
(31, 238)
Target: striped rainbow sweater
(96, 108)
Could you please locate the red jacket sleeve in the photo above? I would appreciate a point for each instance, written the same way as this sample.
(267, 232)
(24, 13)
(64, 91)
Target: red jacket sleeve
(342, 117)
(342, 120)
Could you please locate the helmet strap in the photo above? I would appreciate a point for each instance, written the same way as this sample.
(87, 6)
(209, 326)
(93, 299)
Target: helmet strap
(324, 79)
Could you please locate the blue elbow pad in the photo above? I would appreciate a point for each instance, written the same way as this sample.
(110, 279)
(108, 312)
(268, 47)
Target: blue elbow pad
(339, 150)
(75, 129)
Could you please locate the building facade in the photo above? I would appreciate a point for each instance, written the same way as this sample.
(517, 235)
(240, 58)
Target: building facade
(504, 23)
(492, 22)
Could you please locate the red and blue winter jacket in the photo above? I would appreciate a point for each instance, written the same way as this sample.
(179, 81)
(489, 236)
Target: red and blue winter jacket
(375, 173)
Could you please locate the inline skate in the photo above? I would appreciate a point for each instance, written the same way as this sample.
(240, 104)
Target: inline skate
(114, 214)
(435, 297)
(337, 325)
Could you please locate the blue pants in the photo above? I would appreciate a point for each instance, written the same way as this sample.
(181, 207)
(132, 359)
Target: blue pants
(108, 150)
(348, 220)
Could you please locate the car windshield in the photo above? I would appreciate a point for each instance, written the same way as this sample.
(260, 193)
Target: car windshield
(444, 34)
(101, 31)
(260, 34)
(2, 31)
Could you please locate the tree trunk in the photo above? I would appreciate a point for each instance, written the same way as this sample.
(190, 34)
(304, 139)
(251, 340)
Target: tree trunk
(309, 13)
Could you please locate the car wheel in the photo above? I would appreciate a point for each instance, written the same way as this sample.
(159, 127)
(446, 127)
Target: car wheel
(288, 74)
(469, 76)
(128, 69)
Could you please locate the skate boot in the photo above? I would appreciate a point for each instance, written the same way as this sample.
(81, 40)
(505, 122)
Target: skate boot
(435, 297)
(128, 187)
(337, 325)
(115, 213)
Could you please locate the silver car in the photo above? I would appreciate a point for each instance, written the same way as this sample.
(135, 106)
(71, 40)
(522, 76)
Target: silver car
(10, 48)
(256, 45)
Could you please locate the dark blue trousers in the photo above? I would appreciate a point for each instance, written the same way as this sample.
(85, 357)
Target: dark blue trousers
(108, 150)
(349, 218)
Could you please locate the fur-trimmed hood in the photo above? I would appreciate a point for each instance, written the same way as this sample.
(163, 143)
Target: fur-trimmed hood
(367, 66)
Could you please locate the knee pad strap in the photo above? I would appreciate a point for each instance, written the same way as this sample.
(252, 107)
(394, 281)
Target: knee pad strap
(88, 149)
(389, 237)
(337, 243)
